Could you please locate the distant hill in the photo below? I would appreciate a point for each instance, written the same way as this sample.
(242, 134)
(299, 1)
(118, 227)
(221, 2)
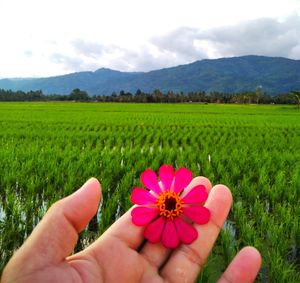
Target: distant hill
(236, 74)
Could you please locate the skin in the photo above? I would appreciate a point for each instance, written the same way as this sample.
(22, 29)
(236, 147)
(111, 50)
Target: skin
(121, 254)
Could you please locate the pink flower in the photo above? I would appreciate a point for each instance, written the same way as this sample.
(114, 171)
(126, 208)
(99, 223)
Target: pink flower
(166, 209)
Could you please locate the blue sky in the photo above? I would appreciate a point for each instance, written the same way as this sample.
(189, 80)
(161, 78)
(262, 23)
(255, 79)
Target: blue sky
(53, 37)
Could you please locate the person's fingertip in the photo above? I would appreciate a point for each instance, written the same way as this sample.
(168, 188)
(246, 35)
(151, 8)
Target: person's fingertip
(219, 203)
(224, 192)
(250, 257)
(91, 183)
(199, 180)
(244, 266)
(253, 254)
(206, 182)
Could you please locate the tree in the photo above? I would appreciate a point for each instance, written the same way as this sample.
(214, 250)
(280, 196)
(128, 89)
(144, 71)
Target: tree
(297, 96)
(157, 95)
(138, 92)
(79, 95)
(258, 93)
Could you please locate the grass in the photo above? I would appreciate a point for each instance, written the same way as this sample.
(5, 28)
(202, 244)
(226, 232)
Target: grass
(47, 150)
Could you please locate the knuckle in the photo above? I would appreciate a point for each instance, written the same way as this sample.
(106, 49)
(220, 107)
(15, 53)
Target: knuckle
(192, 255)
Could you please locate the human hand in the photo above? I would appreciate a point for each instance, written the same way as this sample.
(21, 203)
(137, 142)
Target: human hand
(120, 254)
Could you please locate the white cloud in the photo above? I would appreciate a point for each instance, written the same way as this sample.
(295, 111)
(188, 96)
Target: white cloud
(265, 36)
(41, 38)
(262, 37)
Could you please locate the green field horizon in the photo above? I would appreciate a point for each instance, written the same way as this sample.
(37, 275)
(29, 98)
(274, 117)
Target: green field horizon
(48, 150)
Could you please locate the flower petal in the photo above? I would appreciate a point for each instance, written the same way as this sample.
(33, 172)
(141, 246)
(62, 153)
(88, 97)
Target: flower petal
(166, 175)
(196, 195)
(149, 180)
(186, 232)
(169, 237)
(198, 214)
(143, 215)
(154, 230)
(142, 196)
(182, 178)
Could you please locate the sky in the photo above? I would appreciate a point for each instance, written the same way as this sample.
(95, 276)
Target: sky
(41, 38)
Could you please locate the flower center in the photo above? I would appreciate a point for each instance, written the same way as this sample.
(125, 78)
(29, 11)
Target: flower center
(169, 204)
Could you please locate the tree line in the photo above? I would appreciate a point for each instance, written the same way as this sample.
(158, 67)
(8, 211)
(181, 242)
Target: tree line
(156, 96)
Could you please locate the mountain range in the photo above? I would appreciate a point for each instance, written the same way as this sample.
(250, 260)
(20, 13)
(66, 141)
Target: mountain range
(274, 75)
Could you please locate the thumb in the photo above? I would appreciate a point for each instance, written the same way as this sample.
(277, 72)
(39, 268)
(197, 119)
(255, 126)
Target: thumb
(55, 237)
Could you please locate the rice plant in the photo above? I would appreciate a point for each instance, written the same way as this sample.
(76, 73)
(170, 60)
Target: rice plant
(48, 150)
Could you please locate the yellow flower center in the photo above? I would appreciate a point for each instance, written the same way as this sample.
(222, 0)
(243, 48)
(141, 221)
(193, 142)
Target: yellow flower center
(169, 204)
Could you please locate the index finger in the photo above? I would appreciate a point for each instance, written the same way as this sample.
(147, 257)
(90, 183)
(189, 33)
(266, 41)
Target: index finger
(126, 231)
(185, 263)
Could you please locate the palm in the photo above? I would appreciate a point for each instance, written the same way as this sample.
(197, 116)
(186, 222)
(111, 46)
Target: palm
(120, 254)
(121, 264)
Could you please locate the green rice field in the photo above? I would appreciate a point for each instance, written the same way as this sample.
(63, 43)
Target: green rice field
(48, 150)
